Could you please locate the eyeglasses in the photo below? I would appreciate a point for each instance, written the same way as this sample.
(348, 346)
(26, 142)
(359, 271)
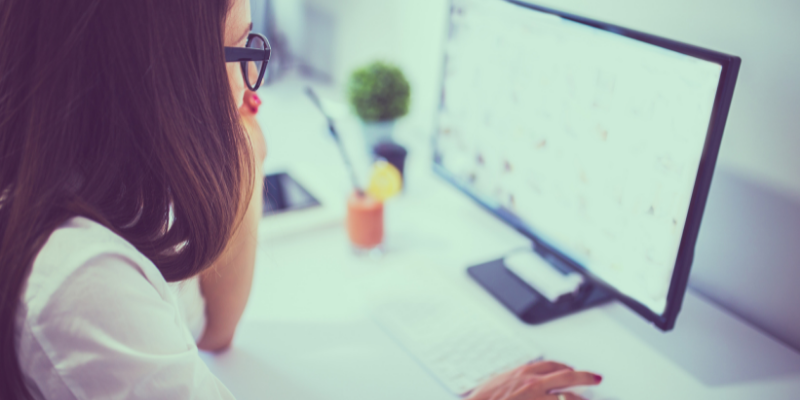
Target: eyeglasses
(254, 57)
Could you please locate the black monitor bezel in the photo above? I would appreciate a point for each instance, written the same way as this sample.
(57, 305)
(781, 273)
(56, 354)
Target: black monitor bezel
(680, 277)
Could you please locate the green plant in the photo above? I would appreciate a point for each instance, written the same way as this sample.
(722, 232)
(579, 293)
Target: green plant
(379, 92)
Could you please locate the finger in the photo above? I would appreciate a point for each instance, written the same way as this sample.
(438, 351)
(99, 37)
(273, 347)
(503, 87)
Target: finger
(252, 100)
(250, 103)
(564, 396)
(532, 391)
(246, 112)
(566, 378)
(544, 367)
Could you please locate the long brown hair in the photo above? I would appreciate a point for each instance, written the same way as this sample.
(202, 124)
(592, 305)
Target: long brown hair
(119, 111)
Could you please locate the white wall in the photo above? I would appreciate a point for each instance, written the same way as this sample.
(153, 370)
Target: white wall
(758, 152)
(405, 32)
(763, 132)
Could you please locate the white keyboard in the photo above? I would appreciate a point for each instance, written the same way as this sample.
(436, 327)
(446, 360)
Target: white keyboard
(461, 350)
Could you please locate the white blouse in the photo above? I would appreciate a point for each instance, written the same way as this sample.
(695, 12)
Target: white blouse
(98, 320)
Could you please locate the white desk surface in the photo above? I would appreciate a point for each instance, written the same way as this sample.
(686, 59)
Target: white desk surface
(307, 331)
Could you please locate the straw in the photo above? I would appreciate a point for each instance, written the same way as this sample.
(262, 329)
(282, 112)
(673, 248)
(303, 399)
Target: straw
(311, 94)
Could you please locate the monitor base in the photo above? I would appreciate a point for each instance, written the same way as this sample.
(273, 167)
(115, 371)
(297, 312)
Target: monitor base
(525, 302)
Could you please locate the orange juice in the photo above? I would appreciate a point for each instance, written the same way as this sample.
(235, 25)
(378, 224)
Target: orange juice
(364, 221)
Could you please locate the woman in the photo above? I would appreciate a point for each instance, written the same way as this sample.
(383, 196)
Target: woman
(124, 166)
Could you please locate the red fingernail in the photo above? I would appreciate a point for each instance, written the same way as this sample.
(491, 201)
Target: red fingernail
(254, 110)
(256, 100)
(597, 378)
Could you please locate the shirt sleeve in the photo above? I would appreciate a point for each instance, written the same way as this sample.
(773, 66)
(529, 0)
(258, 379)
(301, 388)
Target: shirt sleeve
(110, 333)
(192, 305)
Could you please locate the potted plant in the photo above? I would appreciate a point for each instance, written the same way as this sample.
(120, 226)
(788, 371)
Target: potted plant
(379, 94)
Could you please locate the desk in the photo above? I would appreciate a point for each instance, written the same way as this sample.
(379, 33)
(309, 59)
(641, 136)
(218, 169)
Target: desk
(307, 331)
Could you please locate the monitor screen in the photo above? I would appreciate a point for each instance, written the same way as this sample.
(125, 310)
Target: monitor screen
(590, 140)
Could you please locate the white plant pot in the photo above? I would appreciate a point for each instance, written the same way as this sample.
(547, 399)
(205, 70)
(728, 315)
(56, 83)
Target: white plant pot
(377, 132)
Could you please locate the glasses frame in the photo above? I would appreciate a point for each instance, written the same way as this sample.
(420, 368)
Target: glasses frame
(243, 55)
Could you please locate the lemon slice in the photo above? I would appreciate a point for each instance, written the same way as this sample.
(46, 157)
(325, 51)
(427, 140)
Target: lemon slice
(385, 182)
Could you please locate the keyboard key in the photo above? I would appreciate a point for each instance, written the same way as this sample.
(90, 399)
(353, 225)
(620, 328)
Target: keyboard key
(459, 349)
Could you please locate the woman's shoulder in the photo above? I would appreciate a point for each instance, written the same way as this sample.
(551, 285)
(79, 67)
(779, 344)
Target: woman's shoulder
(94, 309)
(85, 272)
(84, 248)
(79, 239)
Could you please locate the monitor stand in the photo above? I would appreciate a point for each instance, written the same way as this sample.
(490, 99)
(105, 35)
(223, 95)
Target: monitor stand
(531, 305)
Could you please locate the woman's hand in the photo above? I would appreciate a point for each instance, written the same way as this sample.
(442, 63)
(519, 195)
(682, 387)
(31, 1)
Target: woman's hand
(535, 382)
(226, 285)
(248, 111)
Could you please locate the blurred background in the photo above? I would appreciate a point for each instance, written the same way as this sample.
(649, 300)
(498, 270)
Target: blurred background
(748, 254)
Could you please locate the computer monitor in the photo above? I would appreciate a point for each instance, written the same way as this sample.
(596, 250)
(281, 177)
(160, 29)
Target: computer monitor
(596, 141)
